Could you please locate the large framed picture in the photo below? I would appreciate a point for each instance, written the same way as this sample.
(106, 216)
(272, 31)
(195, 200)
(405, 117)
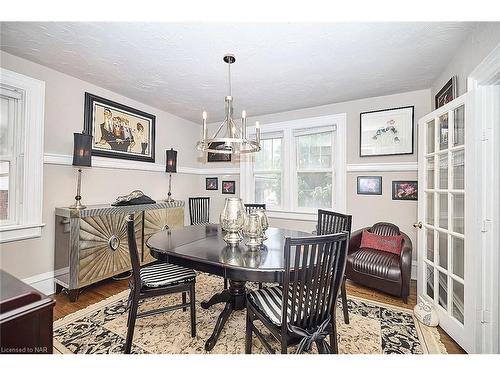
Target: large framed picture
(213, 157)
(386, 132)
(369, 185)
(447, 93)
(404, 190)
(119, 131)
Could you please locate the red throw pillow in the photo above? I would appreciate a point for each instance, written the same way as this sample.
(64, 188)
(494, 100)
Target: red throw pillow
(391, 244)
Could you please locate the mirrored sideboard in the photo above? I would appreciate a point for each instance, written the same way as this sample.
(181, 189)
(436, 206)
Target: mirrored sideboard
(91, 244)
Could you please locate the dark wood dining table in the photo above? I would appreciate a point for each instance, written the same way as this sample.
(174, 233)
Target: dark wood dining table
(202, 248)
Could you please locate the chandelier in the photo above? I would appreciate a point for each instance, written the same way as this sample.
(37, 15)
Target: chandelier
(229, 138)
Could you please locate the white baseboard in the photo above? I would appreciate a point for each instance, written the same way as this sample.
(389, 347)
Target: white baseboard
(414, 270)
(44, 282)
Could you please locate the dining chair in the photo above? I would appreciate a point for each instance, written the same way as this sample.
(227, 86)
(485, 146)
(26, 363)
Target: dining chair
(199, 210)
(249, 207)
(313, 272)
(159, 279)
(329, 223)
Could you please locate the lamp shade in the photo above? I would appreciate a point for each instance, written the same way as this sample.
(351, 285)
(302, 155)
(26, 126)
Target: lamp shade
(82, 150)
(171, 161)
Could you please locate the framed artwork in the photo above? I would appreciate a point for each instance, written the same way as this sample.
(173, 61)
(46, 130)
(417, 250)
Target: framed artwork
(447, 93)
(211, 183)
(369, 185)
(386, 132)
(404, 190)
(217, 157)
(228, 187)
(119, 131)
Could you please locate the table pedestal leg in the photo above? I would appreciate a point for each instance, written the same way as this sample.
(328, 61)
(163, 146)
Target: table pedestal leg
(235, 298)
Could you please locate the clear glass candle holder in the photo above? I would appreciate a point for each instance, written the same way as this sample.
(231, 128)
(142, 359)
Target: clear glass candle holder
(253, 230)
(232, 219)
(263, 220)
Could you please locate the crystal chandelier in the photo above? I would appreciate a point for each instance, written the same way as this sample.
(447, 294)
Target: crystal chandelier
(229, 138)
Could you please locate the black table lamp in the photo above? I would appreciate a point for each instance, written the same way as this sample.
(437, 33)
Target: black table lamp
(171, 168)
(82, 157)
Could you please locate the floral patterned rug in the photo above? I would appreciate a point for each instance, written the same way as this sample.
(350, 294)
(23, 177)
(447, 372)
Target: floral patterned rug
(374, 328)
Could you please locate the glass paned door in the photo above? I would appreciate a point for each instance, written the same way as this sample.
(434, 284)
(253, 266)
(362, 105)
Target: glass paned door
(442, 275)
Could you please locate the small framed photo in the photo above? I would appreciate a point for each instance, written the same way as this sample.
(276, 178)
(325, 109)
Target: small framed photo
(228, 187)
(386, 132)
(447, 93)
(211, 183)
(369, 185)
(214, 157)
(404, 190)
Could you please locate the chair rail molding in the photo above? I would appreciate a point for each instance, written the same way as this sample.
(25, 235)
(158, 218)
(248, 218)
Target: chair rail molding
(100, 162)
(383, 167)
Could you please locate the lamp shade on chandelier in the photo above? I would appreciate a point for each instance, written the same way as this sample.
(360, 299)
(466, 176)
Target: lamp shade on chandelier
(230, 138)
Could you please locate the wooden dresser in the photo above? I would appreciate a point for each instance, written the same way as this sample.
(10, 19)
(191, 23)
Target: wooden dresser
(91, 244)
(25, 318)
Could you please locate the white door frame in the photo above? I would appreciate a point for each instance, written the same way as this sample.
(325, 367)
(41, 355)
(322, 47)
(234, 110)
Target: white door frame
(484, 91)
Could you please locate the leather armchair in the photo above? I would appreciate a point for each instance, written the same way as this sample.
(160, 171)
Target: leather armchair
(387, 272)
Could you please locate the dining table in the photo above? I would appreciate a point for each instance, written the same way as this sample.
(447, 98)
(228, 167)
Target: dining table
(202, 248)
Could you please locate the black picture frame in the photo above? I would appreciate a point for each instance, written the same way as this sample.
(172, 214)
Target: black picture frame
(211, 183)
(145, 151)
(213, 157)
(447, 93)
(228, 187)
(397, 195)
(363, 191)
(388, 110)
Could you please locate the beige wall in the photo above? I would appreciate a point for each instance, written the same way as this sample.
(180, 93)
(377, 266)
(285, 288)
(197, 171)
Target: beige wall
(64, 115)
(478, 44)
(64, 99)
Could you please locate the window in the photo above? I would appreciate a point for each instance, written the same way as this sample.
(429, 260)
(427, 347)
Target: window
(268, 172)
(21, 156)
(300, 168)
(314, 169)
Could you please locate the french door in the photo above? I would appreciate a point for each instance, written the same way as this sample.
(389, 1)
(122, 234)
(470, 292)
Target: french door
(444, 259)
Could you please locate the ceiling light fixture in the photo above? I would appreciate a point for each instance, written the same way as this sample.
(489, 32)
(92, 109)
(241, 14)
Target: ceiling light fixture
(230, 138)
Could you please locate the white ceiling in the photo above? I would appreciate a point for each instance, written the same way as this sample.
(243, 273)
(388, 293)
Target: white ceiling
(178, 67)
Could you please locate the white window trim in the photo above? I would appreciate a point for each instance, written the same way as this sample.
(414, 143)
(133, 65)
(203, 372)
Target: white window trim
(289, 209)
(29, 221)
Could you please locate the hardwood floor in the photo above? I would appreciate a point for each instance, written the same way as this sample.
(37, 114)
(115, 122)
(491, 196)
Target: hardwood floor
(107, 288)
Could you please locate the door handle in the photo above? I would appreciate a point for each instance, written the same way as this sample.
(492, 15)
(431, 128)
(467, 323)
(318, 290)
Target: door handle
(418, 225)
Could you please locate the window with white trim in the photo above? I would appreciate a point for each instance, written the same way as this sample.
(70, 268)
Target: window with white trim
(268, 171)
(314, 168)
(21, 156)
(300, 168)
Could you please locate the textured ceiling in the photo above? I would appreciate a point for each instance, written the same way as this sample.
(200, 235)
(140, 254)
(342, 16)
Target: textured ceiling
(178, 66)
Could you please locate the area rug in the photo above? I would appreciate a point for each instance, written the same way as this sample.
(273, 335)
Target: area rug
(374, 328)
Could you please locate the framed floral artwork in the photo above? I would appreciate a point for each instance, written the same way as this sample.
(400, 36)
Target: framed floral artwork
(211, 183)
(228, 187)
(404, 190)
(447, 93)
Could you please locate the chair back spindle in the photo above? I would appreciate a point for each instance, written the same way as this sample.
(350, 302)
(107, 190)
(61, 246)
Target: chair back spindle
(249, 207)
(333, 222)
(134, 255)
(199, 210)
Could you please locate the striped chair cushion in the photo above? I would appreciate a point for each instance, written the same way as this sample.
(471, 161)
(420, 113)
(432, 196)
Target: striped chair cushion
(269, 301)
(163, 274)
